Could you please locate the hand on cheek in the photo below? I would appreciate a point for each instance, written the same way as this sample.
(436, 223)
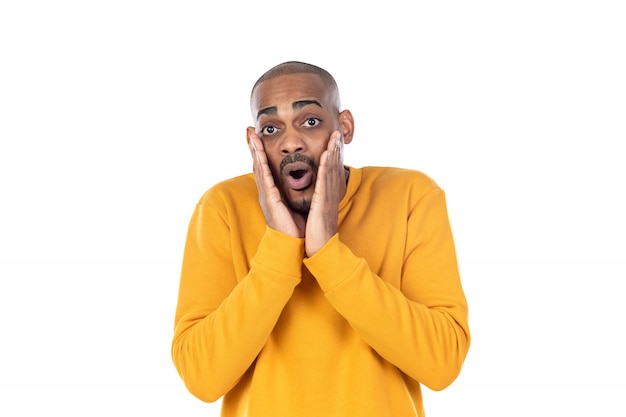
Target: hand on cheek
(277, 214)
(329, 190)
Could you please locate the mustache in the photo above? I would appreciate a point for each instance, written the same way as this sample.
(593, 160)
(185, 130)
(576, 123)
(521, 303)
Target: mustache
(297, 157)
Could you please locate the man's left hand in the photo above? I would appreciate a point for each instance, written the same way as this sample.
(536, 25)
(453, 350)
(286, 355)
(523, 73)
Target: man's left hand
(330, 188)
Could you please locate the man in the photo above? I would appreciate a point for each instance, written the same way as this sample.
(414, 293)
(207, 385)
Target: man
(310, 288)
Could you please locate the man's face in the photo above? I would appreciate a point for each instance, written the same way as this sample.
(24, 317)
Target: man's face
(294, 116)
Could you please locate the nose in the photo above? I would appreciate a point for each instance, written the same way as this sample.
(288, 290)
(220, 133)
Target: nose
(292, 142)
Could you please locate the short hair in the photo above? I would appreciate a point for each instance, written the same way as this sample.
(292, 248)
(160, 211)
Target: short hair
(296, 67)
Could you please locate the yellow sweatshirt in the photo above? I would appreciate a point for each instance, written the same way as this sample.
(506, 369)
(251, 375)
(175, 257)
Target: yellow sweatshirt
(351, 331)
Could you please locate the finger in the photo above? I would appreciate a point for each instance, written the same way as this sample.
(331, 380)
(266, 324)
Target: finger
(253, 151)
(258, 153)
(340, 146)
(262, 171)
(333, 144)
(335, 157)
(254, 144)
(251, 147)
(256, 149)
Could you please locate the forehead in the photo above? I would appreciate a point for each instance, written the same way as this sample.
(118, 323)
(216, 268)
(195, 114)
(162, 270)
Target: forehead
(287, 89)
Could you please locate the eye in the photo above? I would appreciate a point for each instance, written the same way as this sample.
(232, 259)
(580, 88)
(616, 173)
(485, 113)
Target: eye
(312, 122)
(268, 130)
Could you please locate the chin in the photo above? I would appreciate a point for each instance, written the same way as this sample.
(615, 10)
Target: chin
(300, 205)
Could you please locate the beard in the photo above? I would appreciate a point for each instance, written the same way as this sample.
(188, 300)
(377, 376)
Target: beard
(300, 206)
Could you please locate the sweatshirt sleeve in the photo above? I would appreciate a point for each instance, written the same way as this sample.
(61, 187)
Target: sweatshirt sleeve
(221, 324)
(422, 327)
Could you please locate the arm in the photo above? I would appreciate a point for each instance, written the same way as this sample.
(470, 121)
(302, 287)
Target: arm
(222, 324)
(421, 327)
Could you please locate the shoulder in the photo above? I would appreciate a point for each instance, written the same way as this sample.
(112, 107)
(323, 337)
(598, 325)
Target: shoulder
(399, 188)
(398, 179)
(237, 190)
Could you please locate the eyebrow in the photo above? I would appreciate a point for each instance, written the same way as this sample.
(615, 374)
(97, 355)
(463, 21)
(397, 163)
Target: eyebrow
(296, 105)
(303, 103)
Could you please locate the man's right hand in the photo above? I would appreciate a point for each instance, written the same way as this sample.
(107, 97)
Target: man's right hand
(277, 214)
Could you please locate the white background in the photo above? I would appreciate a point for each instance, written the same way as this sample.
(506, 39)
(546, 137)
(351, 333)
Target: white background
(115, 116)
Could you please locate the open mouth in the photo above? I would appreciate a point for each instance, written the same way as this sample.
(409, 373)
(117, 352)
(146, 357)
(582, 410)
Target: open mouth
(298, 175)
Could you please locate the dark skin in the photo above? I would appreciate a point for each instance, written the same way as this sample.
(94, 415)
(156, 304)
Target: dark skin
(299, 114)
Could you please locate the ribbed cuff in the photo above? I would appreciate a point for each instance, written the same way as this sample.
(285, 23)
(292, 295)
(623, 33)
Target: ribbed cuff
(332, 264)
(279, 255)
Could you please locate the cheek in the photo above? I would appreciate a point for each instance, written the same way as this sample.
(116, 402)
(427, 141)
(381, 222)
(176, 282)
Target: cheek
(320, 147)
(273, 160)
(319, 141)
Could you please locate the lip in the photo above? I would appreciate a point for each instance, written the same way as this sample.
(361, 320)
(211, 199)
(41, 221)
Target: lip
(298, 175)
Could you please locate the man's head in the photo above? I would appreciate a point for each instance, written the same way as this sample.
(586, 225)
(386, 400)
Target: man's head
(296, 67)
(295, 107)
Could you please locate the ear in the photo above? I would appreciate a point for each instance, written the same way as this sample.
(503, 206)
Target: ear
(249, 131)
(346, 123)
